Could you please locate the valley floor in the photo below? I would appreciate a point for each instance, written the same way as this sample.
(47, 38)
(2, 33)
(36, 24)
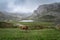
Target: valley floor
(17, 34)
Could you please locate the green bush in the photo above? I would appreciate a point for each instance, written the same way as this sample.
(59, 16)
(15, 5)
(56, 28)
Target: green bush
(7, 25)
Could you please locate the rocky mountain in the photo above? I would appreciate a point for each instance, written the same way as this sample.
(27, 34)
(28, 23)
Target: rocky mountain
(5, 16)
(47, 9)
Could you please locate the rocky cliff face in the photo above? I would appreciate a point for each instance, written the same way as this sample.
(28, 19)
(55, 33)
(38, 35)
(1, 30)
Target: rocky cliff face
(47, 9)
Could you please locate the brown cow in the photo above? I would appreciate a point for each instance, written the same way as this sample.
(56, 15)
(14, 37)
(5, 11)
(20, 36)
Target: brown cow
(24, 27)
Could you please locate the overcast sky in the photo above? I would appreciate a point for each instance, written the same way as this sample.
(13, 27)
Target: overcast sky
(24, 6)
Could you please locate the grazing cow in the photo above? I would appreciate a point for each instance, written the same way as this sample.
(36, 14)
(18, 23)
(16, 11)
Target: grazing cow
(57, 26)
(39, 27)
(24, 27)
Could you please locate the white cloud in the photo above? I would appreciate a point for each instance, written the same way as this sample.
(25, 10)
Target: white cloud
(25, 5)
(28, 7)
(20, 9)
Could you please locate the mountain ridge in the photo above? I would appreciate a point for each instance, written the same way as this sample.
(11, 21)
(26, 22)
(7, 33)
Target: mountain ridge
(47, 9)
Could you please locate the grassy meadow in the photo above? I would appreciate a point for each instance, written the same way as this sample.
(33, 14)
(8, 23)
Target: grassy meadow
(41, 34)
(17, 34)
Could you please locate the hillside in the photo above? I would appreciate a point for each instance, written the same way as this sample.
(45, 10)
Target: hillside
(6, 16)
(47, 9)
(10, 16)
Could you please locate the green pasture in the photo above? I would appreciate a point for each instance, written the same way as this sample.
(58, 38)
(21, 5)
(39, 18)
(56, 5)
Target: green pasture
(17, 34)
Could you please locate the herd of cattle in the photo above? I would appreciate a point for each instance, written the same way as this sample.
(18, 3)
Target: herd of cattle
(25, 27)
(17, 25)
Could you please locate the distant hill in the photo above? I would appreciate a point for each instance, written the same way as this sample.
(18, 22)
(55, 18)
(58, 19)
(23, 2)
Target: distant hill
(5, 16)
(47, 9)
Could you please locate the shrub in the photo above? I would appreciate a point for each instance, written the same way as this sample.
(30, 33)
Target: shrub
(6, 25)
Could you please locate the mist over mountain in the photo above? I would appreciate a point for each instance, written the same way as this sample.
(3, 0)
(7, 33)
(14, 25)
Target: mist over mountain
(47, 11)
(6, 16)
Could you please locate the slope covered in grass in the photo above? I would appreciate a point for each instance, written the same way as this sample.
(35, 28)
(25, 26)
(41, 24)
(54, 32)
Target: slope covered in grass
(17, 34)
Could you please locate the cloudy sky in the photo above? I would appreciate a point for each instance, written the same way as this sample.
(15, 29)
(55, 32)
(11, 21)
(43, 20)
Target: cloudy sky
(24, 6)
